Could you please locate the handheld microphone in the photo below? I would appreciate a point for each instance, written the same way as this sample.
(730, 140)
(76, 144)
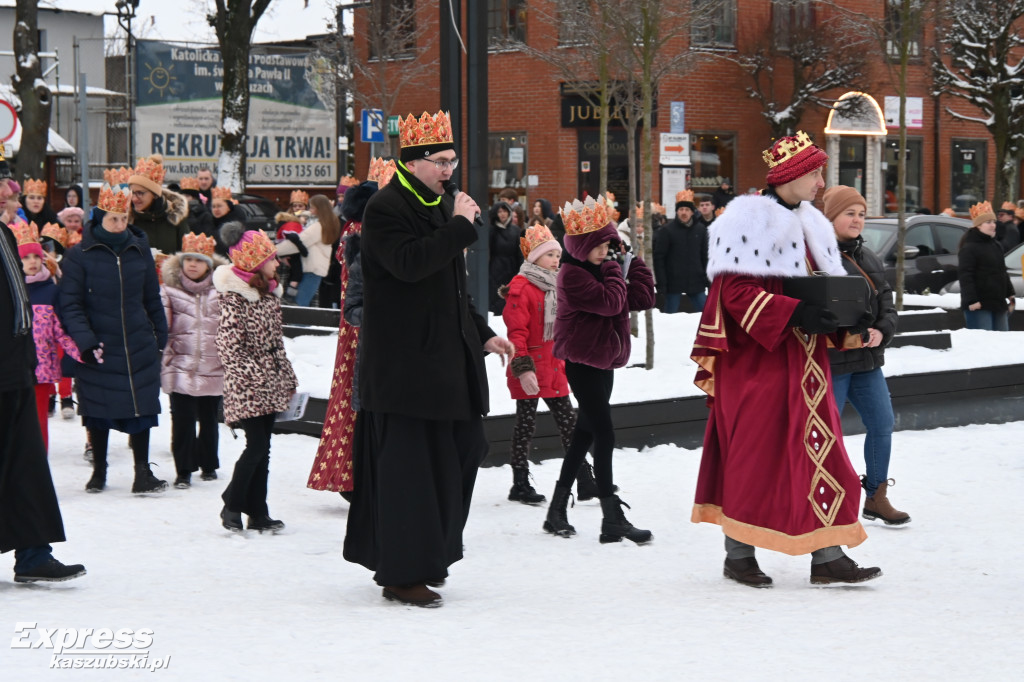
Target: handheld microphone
(452, 190)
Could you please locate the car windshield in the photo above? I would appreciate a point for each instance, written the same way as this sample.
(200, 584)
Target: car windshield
(875, 236)
(1012, 259)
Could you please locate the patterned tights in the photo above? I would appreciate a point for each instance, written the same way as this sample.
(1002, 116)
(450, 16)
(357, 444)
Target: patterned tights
(526, 424)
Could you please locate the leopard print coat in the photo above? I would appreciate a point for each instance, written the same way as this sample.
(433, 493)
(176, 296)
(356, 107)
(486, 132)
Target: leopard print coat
(258, 378)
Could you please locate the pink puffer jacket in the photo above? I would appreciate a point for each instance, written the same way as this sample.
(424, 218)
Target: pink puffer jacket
(191, 364)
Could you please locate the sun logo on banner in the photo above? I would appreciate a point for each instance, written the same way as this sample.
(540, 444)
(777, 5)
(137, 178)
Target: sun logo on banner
(159, 78)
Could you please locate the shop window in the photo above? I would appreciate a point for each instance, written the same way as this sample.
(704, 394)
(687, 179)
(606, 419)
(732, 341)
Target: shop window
(714, 24)
(506, 22)
(912, 200)
(506, 163)
(968, 173)
(570, 14)
(713, 156)
(894, 27)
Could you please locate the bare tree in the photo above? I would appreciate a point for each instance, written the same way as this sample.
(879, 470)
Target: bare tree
(986, 70)
(234, 22)
(377, 71)
(819, 57)
(34, 93)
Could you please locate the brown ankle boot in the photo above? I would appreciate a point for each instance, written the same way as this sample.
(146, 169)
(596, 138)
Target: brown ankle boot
(414, 595)
(878, 507)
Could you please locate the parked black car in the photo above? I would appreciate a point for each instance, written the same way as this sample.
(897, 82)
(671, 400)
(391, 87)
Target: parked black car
(259, 212)
(930, 256)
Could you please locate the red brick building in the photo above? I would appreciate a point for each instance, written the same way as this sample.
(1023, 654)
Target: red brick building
(541, 138)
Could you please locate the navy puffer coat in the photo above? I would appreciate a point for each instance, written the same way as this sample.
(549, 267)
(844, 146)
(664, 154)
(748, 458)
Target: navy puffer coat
(115, 300)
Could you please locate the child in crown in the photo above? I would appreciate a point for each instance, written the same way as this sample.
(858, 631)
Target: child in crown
(192, 373)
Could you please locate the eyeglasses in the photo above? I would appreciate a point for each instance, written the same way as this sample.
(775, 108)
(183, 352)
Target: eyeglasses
(139, 193)
(445, 165)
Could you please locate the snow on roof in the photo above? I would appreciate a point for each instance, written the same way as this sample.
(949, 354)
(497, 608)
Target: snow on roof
(55, 145)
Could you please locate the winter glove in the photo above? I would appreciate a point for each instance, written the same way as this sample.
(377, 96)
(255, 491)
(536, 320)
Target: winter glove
(528, 380)
(93, 355)
(611, 268)
(814, 319)
(862, 324)
(293, 237)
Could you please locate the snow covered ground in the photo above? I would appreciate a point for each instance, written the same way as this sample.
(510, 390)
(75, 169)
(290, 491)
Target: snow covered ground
(526, 605)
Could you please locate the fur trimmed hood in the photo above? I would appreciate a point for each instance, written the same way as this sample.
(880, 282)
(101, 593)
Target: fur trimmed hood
(170, 269)
(225, 281)
(758, 236)
(354, 202)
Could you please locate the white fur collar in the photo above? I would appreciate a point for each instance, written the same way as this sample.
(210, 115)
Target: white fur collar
(226, 281)
(758, 236)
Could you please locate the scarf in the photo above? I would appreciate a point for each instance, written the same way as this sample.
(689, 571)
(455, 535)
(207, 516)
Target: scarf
(247, 276)
(545, 280)
(117, 241)
(16, 283)
(40, 276)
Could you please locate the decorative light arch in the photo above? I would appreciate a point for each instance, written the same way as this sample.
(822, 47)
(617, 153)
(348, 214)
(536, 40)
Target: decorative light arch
(869, 122)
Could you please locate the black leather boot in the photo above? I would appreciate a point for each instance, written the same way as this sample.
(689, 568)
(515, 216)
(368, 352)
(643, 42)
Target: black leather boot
(522, 491)
(557, 522)
(615, 526)
(586, 486)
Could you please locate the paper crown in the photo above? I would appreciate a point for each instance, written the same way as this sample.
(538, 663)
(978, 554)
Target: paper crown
(348, 181)
(221, 193)
(189, 184)
(786, 148)
(74, 237)
(429, 129)
(149, 173)
(981, 212)
(1008, 207)
(34, 187)
(719, 211)
(252, 251)
(299, 197)
(55, 232)
(381, 171)
(657, 208)
(684, 195)
(115, 199)
(586, 216)
(198, 243)
(25, 233)
(948, 211)
(117, 176)
(534, 237)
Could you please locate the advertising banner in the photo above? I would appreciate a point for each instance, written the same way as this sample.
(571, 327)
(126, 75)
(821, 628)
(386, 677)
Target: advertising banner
(291, 128)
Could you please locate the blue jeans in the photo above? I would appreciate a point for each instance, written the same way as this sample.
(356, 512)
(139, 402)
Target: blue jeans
(30, 557)
(987, 319)
(869, 394)
(697, 300)
(308, 286)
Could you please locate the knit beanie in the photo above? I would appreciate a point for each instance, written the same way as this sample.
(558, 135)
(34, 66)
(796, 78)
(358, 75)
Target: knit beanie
(247, 249)
(839, 198)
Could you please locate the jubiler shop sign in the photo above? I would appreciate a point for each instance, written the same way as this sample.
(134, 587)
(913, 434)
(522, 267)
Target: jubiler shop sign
(178, 113)
(579, 111)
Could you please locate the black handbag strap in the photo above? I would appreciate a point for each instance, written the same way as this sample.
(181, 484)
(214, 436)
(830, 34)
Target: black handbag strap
(871, 282)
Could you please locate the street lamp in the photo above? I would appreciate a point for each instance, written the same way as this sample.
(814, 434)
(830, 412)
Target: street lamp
(125, 13)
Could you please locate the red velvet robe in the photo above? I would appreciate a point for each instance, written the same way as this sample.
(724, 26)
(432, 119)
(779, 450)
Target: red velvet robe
(774, 472)
(332, 466)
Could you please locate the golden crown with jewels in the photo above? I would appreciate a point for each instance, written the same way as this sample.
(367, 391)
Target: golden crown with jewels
(348, 181)
(25, 233)
(534, 237)
(785, 148)
(151, 168)
(198, 243)
(428, 129)
(115, 199)
(34, 187)
(581, 217)
(117, 176)
(189, 184)
(381, 171)
(221, 193)
(55, 232)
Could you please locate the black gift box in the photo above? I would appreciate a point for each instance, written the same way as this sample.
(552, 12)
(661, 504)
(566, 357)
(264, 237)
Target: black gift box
(847, 296)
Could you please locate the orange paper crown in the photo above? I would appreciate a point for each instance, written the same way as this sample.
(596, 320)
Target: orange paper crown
(299, 197)
(198, 243)
(534, 237)
(25, 233)
(786, 148)
(381, 171)
(55, 232)
(981, 208)
(117, 176)
(115, 200)
(348, 181)
(684, 195)
(189, 183)
(221, 193)
(251, 252)
(657, 208)
(719, 211)
(151, 169)
(74, 237)
(34, 187)
(583, 217)
(436, 129)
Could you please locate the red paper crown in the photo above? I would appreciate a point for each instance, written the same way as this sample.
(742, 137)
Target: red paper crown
(117, 176)
(381, 171)
(115, 200)
(25, 233)
(34, 187)
(436, 129)
(55, 232)
(583, 217)
(299, 197)
(198, 243)
(189, 183)
(221, 193)
(534, 237)
(252, 251)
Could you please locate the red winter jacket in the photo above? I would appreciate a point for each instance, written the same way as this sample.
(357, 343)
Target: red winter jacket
(524, 321)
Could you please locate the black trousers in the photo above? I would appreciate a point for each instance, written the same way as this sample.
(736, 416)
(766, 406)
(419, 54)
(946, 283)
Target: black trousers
(192, 453)
(247, 491)
(593, 390)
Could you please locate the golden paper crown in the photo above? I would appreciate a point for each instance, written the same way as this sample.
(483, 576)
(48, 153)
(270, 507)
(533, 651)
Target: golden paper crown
(55, 232)
(534, 236)
(657, 208)
(299, 197)
(948, 211)
(221, 193)
(189, 183)
(381, 171)
(251, 252)
(151, 168)
(684, 195)
(980, 209)
(25, 233)
(1008, 206)
(115, 199)
(719, 211)
(348, 181)
(198, 243)
(74, 237)
(117, 176)
(436, 129)
(786, 148)
(34, 187)
(587, 216)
